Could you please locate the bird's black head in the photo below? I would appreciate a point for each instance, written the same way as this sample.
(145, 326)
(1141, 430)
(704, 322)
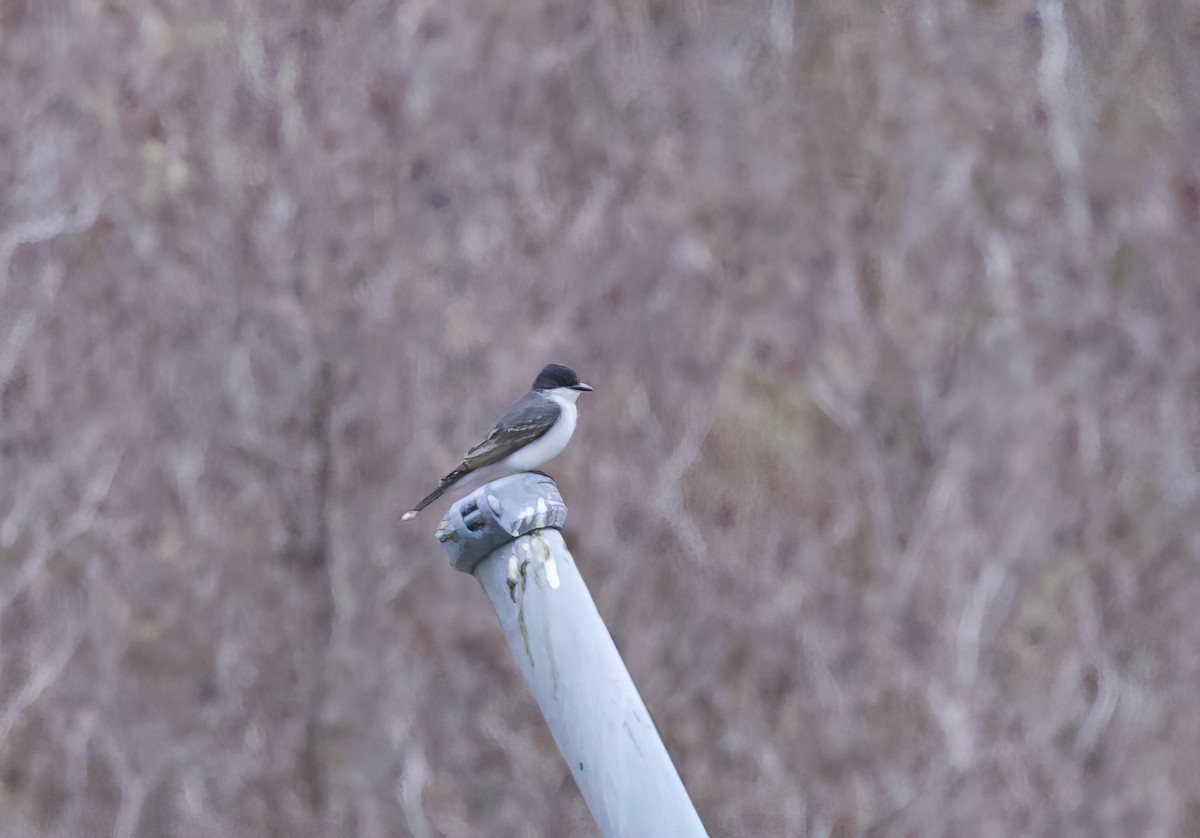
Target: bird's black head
(556, 375)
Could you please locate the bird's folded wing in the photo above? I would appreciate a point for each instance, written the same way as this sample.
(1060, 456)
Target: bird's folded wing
(525, 421)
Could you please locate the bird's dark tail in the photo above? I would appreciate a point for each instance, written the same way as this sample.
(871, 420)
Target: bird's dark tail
(428, 499)
(447, 481)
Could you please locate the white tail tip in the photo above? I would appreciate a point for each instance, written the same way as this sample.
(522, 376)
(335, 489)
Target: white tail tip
(409, 515)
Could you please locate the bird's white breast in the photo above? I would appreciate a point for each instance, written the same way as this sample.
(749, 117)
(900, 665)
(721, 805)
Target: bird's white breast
(550, 444)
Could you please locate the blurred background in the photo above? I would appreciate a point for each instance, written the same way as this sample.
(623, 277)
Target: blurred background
(888, 490)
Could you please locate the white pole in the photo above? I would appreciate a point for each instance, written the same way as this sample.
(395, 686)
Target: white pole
(507, 535)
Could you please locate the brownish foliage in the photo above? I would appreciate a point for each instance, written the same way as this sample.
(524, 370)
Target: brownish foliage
(888, 490)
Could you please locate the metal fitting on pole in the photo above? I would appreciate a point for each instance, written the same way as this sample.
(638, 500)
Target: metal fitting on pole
(507, 535)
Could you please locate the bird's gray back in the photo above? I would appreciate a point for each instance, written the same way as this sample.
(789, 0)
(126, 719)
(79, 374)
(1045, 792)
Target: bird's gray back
(529, 418)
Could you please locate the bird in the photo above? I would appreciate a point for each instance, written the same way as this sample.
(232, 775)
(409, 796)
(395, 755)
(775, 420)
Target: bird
(530, 434)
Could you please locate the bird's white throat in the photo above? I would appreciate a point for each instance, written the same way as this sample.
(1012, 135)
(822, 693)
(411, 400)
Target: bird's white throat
(564, 394)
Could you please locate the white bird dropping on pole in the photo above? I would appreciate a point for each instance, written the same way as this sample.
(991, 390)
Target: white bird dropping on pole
(507, 535)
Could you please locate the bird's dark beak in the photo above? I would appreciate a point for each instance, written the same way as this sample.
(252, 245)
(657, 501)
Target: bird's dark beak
(585, 388)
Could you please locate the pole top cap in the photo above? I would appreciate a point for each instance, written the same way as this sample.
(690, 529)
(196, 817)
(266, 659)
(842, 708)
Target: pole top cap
(497, 513)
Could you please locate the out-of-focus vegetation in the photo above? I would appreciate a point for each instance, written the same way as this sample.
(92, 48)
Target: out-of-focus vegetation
(888, 489)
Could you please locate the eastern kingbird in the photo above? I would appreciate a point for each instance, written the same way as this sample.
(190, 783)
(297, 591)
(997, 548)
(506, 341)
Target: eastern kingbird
(533, 432)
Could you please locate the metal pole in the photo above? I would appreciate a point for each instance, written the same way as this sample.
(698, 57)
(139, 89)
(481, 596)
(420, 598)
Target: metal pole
(507, 535)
